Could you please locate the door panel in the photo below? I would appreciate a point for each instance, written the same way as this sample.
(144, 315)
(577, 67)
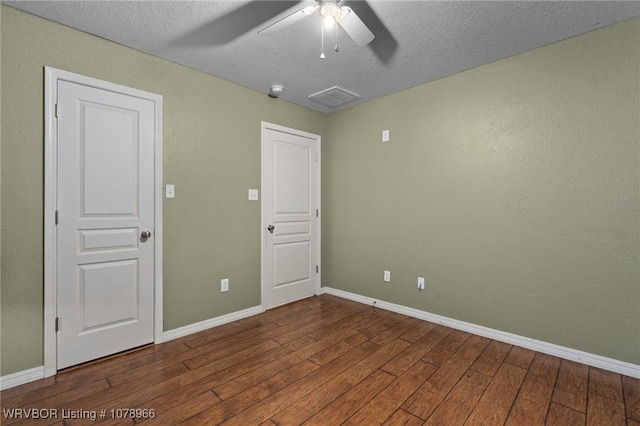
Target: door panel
(92, 240)
(109, 294)
(105, 200)
(292, 263)
(290, 187)
(109, 136)
(291, 190)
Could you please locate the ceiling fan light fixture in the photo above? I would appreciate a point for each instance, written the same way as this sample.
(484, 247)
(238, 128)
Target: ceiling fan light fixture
(328, 21)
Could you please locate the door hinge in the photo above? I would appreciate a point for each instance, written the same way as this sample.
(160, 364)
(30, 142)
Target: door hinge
(57, 111)
(57, 326)
(317, 269)
(317, 156)
(56, 219)
(317, 213)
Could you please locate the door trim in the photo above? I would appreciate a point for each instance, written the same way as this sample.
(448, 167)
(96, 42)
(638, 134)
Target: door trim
(263, 208)
(51, 78)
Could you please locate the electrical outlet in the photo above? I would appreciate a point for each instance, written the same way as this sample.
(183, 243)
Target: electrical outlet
(224, 285)
(387, 276)
(420, 283)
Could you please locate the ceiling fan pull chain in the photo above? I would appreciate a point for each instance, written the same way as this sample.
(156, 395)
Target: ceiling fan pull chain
(336, 49)
(322, 26)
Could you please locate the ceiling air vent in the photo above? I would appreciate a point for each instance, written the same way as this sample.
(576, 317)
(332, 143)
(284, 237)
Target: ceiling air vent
(334, 97)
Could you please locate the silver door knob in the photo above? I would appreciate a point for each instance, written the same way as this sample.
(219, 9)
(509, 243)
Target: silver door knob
(146, 234)
(270, 228)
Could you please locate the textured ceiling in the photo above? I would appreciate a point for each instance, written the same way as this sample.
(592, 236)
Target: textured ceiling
(432, 39)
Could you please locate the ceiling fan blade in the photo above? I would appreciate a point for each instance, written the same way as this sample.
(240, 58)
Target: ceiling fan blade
(288, 20)
(385, 45)
(232, 25)
(354, 27)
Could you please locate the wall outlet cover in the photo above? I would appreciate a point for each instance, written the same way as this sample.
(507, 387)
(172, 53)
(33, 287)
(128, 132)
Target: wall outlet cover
(387, 276)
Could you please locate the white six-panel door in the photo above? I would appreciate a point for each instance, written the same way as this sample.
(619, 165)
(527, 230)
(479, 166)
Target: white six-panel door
(105, 201)
(290, 259)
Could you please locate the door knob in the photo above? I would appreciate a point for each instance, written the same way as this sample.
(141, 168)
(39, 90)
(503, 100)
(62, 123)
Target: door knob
(270, 228)
(146, 234)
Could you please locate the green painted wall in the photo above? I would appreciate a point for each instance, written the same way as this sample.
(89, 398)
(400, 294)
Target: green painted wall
(513, 188)
(211, 153)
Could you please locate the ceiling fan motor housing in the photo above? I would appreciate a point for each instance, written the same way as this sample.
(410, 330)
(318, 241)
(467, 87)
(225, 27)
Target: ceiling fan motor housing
(330, 9)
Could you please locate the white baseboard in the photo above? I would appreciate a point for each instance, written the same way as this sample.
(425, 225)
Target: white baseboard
(608, 364)
(37, 373)
(210, 323)
(21, 378)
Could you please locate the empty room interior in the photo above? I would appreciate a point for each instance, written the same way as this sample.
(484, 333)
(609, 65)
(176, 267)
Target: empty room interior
(282, 213)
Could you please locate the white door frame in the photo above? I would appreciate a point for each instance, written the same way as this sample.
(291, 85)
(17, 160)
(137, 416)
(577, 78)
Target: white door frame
(263, 207)
(52, 76)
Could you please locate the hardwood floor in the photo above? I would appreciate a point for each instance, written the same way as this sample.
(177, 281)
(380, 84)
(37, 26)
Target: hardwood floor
(329, 361)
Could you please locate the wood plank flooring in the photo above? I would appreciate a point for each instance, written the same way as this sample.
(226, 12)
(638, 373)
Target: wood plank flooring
(329, 361)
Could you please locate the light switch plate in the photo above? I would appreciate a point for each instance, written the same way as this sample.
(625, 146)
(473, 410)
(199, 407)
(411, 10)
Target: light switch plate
(253, 194)
(171, 191)
(387, 276)
(385, 136)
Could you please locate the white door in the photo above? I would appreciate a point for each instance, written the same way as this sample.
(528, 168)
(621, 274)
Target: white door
(105, 201)
(290, 185)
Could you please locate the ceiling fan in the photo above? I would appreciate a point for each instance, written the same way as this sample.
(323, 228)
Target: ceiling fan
(332, 15)
(257, 13)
